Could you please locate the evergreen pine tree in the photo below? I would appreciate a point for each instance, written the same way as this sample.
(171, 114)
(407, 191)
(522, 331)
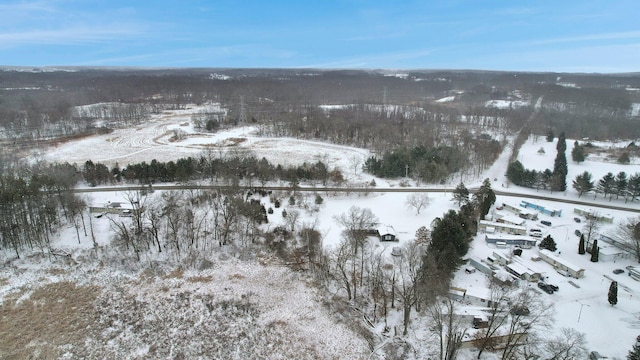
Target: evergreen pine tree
(559, 180)
(484, 198)
(583, 183)
(550, 136)
(613, 293)
(581, 245)
(578, 153)
(561, 146)
(621, 184)
(595, 252)
(634, 353)
(606, 185)
(548, 243)
(461, 194)
(515, 172)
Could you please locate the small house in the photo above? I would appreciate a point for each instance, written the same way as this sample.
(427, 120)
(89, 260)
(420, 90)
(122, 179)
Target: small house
(387, 233)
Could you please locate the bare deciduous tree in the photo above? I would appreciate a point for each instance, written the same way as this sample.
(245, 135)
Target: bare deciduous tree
(513, 315)
(342, 254)
(408, 266)
(590, 228)
(357, 222)
(629, 234)
(448, 329)
(569, 345)
(292, 219)
(417, 201)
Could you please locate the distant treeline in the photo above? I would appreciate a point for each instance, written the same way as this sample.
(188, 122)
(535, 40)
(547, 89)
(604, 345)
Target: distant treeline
(40, 105)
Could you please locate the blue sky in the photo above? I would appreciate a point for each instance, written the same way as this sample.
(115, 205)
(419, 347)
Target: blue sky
(560, 35)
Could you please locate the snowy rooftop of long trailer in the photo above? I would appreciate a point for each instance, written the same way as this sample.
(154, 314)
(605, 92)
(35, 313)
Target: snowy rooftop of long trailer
(497, 224)
(519, 268)
(501, 236)
(560, 260)
(514, 220)
(536, 267)
(610, 250)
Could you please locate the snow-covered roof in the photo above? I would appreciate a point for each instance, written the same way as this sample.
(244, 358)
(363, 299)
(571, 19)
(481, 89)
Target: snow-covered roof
(500, 236)
(519, 268)
(561, 261)
(514, 220)
(386, 230)
(503, 225)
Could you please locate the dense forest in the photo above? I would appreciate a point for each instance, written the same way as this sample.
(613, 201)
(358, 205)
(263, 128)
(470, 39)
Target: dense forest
(370, 109)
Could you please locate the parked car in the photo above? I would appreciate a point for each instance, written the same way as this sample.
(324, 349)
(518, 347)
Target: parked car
(480, 322)
(618, 271)
(577, 219)
(545, 222)
(546, 288)
(553, 287)
(577, 232)
(469, 270)
(535, 232)
(520, 310)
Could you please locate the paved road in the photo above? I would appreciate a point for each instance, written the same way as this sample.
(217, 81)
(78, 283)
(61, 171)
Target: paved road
(632, 208)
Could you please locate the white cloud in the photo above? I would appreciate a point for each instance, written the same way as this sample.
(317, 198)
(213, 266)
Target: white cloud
(67, 36)
(592, 37)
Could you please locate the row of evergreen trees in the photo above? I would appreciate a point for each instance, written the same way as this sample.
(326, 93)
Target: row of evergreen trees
(555, 180)
(609, 185)
(233, 168)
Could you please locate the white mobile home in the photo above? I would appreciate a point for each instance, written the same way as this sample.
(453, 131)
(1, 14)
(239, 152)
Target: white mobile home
(522, 272)
(525, 242)
(502, 227)
(512, 220)
(561, 264)
(501, 258)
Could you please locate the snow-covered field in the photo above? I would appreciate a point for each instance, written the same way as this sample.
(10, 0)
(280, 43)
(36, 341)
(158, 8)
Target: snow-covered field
(153, 140)
(609, 330)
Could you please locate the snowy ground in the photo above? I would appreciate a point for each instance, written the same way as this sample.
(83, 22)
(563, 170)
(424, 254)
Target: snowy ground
(153, 140)
(603, 324)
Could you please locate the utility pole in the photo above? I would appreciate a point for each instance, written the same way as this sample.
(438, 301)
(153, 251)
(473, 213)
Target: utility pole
(384, 96)
(243, 111)
(406, 171)
(581, 306)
